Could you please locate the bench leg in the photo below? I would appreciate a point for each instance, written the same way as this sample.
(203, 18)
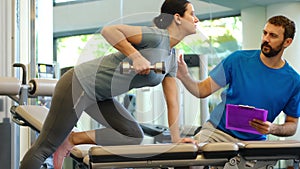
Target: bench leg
(239, 162)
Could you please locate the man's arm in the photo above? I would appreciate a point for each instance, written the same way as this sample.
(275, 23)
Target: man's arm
(200, 89)
(288, 128)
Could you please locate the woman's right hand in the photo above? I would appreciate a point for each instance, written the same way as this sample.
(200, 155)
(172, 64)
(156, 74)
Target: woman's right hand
(140, 65)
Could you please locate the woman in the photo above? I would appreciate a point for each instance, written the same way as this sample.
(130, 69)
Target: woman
(91, 86)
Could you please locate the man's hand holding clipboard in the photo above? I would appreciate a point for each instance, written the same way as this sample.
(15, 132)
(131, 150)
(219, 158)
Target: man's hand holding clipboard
(263, 127)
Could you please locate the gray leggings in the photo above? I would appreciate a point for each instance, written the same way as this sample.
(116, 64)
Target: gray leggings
(68, 103)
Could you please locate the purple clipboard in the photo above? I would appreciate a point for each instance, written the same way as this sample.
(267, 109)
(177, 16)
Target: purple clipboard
(238, 117)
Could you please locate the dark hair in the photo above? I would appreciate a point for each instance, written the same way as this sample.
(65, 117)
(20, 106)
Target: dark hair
(286, 23)
(167, 10)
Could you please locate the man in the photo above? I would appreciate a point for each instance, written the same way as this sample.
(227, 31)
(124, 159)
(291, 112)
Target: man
(258, 78)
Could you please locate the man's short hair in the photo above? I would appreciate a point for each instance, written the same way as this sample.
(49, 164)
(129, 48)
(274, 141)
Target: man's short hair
(286, 23)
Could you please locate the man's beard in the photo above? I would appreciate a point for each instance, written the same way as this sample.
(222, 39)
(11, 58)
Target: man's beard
(272, 51)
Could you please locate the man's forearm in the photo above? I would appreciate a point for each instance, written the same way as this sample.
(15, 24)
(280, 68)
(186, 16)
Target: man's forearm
(191, 85)
(284, 130)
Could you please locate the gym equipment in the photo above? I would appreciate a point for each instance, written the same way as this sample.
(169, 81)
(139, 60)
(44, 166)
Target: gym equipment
(250, 155)
(6, 143)
(265, 154)
(158, 155)
(158, 67)
(19, 91)
(229, 155)
(36, 87)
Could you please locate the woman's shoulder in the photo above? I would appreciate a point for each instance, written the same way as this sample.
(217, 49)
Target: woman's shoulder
(154, 30)
(153, 36)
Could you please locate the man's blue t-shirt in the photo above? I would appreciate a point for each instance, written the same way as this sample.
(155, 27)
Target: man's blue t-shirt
(248, 81)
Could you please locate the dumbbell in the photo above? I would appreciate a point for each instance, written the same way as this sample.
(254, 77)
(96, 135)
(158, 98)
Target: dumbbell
(158, 67)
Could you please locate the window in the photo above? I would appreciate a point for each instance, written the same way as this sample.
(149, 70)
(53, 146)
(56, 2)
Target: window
(74, 49)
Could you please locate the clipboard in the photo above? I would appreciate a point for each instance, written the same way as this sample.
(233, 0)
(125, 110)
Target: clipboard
(238, 117)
